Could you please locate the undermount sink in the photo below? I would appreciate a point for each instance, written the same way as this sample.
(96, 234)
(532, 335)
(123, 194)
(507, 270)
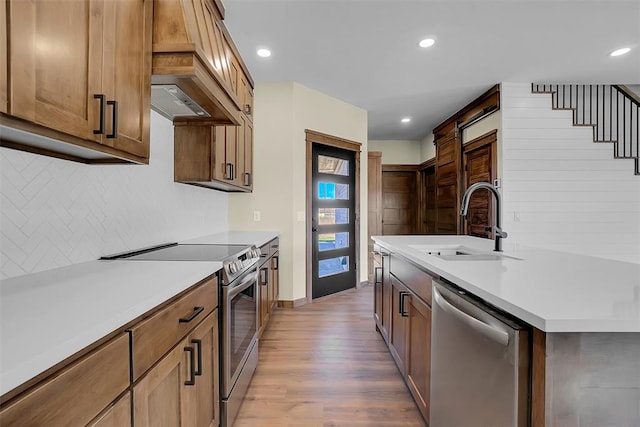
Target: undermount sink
(460, 253)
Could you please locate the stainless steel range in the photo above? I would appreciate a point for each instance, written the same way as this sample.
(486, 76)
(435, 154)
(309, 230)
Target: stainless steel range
(238, 312)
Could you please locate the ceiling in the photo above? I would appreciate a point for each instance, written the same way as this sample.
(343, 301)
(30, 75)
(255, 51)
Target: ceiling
(365, 52)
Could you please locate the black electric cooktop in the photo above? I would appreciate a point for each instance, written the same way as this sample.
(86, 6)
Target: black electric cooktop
(175, 252)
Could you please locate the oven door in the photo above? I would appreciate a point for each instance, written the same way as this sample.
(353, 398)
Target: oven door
(239, 325)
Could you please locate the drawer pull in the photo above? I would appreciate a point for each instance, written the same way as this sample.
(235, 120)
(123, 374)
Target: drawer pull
(198, 343)
(192, 372)
(196, 311)
(102, 99)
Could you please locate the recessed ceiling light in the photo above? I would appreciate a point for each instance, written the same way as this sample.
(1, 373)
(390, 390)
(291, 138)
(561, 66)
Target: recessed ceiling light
(619, 52)
(265, 53)
(406, 120)
(426, 43)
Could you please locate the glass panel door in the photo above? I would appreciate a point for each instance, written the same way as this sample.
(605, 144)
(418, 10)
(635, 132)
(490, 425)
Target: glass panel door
(333, 220)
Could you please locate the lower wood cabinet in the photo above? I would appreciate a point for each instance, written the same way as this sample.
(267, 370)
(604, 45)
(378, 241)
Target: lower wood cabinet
(269, 283)
(182, 389)
(407, 304)
(79, 393)
(162, 370)
(118, 415)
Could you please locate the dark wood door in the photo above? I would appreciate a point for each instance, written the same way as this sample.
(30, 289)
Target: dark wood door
(374, 201)
(480, 166)
(333, 220)
(399, 199)
(428, 212)
(447, 186)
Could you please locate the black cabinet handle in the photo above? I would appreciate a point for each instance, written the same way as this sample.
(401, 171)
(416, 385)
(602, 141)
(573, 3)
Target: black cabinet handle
(196, 311)
(264, 280)
(198, 343)
(375, 275)
(192, 372)
(276, 261)
(114, 131)
(102, 99)
(247, 179)
(233, 171)
(229, 171)
(403, 313)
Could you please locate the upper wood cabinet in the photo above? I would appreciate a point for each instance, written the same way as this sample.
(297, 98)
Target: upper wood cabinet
(80, 73)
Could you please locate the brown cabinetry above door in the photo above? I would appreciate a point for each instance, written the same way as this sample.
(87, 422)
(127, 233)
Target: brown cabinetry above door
(79, 78)
(219, 157)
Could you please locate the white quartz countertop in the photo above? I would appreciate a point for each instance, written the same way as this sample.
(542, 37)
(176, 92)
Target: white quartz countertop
(553, 291)
(48, 316)
(257, 238)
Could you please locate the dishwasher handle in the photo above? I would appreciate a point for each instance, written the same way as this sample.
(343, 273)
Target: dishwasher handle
(488, 331)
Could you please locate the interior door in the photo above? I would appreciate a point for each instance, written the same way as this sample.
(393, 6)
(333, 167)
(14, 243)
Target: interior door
(333, 220)
(480, 166)
(398, 202)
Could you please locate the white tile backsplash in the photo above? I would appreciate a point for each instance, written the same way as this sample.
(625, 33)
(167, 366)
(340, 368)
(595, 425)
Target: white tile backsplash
(55, 213)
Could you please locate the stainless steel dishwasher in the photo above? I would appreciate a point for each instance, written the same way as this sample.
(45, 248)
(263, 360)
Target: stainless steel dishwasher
(479, 364)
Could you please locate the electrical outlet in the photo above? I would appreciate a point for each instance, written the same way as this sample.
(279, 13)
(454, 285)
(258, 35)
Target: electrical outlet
(256, 216)
(516, 217)
(301, 216)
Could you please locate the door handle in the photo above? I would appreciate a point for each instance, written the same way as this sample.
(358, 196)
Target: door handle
(192, 372)
(114, 131)
(313, 229)
(490, 332)
(403, 313)
(198, 343)
(102, 99)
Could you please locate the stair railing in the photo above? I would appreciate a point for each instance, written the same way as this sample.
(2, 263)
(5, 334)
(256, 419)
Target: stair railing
(612, 110)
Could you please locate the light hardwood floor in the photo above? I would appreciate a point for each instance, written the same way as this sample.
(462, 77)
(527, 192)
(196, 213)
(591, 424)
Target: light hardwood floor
(324, 364)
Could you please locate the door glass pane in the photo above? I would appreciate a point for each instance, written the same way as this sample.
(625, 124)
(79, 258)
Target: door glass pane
(330, 216)
(333, 166)
(333, 191)
(329, 241)
(331, 266)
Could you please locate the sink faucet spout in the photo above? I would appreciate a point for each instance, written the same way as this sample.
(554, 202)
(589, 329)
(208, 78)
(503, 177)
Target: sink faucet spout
(499, 233)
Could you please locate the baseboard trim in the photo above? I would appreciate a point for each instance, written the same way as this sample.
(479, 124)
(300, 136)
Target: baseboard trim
(362, 283)
(292, 304)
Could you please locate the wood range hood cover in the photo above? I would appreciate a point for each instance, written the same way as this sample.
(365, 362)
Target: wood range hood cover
(193, 52)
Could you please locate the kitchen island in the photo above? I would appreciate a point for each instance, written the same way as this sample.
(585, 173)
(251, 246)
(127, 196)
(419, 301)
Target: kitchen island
(584, 313)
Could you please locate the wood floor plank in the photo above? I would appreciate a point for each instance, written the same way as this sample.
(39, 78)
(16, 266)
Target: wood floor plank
(324, 365)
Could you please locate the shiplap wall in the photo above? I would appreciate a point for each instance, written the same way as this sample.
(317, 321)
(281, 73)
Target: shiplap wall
(55, 213)
(561, 190)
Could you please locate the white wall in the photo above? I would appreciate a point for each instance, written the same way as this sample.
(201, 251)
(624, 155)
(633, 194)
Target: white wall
(283, 112)
(56, 213)
(396, 152)
(561, 190)
(427, 149)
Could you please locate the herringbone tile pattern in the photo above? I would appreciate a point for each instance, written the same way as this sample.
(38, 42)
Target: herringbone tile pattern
(55, 212)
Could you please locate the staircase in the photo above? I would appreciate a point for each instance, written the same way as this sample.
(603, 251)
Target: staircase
(612, 110)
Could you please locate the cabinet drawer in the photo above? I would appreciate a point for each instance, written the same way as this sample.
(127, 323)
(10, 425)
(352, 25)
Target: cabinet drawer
(415, 279)
(77, 394)
(154, 336)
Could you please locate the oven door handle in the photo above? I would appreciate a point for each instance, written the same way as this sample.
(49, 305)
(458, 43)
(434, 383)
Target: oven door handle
(246, 282)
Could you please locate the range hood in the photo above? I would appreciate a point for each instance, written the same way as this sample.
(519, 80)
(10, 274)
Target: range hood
(192, 63)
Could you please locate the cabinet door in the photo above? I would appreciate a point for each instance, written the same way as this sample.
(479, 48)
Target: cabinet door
(239, 177)
(264, 296)
(399, 328)
(127, 74)
(119, 415)
(273, 282)
(418, 366)
(386, 297)
(3, 56)
(55, 59)
(203, 397)
(248, 154)
(160, 398)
